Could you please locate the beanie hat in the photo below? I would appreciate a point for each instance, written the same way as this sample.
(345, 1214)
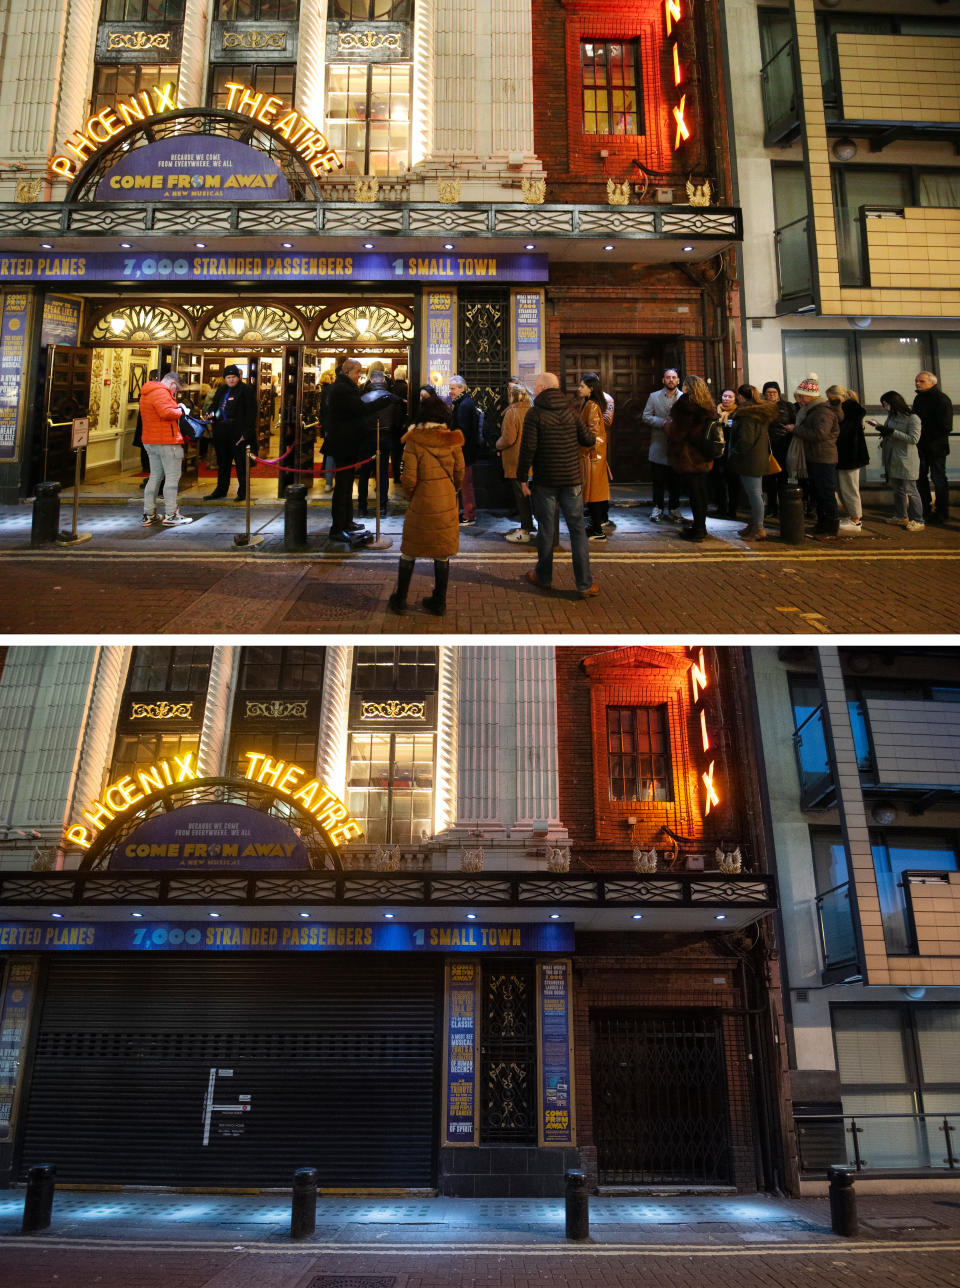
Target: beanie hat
(232, 370)
(809, 385)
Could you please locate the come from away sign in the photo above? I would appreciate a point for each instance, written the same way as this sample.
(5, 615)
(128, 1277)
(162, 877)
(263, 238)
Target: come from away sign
(210, 838)
(284, 936)
(194, 167)
(244, 266)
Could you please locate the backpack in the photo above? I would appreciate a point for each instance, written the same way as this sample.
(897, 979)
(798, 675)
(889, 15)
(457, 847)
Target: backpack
(712, 444)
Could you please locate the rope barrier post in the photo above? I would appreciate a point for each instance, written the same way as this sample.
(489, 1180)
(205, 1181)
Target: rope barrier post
(80, 437)
(244, 539)
(378, 543)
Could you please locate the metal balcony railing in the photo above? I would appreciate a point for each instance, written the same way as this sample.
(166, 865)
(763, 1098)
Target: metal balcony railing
(838, 934)
(779, 85)
(794, 258)
(879, 1142)
(817, 788)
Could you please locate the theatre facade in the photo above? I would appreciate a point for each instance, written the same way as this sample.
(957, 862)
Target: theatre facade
(441, 919)
(438, 188)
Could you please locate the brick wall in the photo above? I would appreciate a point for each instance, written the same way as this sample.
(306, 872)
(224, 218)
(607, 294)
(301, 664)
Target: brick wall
(598, 828)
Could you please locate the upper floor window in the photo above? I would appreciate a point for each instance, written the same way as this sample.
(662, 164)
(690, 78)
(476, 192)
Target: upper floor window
(390, 790)
(639, 754)
(611, 87)
(281, 669)
(895, 853)
(409, 667)
(162, 669)
(141, 750)
(142, 10)
(371, 10)
(268, 78)
(124, 80)
(257, 10)
(368, 116)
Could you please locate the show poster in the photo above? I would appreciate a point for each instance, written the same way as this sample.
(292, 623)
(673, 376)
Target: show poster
(222, 935)
(13, 330)
(556, 1101)
(60, 322)
(527, 334)
(73, 268)
(210, 838)
(14, 1024)
(462, 997)
(197, 167)
(441, 317)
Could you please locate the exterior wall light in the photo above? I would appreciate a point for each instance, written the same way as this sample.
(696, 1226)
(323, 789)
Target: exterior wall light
(844, 149)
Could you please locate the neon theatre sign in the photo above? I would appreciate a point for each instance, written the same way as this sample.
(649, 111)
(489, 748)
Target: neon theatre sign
(279, 118)
(675, 21)
(700, 684)
(310, 794)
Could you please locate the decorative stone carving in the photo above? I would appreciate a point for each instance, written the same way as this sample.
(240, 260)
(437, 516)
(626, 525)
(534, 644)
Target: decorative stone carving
(534, 190)
(254, 40)
(471, 859)
(644, 860)
(618, 194)
(349, 41)
(138, 39)
(386, 858)
(161, 710)
(28, 190)
(558, 859)
(366, 189)
(730, 861)
(699, 194)
(448, 190)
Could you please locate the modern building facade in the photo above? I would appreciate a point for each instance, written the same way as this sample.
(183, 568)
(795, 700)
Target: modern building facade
(845, 122)
(448, 919)
(860, 755)
(437, 186)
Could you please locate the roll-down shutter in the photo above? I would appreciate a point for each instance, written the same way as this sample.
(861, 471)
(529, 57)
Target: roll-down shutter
(236, 1072)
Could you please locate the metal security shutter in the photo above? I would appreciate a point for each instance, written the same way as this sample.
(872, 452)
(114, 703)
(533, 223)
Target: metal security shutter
(338, 1056)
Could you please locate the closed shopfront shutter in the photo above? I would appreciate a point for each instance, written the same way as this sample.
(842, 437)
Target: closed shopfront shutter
(236, 1072)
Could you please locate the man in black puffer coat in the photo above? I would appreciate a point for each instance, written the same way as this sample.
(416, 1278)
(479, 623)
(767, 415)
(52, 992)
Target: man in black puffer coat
(344, 439)
(936, 421)
(551, 434)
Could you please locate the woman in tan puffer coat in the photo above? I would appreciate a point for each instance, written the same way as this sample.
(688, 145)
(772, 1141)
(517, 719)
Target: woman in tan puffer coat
(431, 476)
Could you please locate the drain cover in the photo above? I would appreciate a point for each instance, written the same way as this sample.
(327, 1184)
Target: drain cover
(901, 1223)
(352, 1281)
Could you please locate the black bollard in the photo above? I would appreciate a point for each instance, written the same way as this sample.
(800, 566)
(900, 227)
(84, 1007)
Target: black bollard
(46, 514)
(38, 1202)
(295, 517)
(791, 515)
(303, 1213)
(843, 1202)
(577, 1205)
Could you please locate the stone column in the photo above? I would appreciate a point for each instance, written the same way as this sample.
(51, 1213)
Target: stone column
(537, 787)
(69, 86)
(211, 759)
(456, 77)
(448, 704)
(335, 705)
(193, 55)
(487, 737)
(510, 82)
(96, 735)
(311, 62)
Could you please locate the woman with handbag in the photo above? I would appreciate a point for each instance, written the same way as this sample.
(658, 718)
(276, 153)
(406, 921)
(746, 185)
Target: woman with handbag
(818, 428)
(233, 417)
(750, 455)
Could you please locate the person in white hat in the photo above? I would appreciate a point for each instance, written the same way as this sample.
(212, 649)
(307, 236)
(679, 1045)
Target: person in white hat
(818, 427)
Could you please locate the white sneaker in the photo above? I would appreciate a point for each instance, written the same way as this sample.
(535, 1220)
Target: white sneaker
(609, 527)
(176, 519)
(656, 514)
(851, 527)
(914, 525)
(519, 537)
(676, 516)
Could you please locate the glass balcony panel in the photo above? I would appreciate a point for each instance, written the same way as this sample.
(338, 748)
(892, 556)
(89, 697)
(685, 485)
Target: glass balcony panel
(813, 763)
(837, 931)
(778, 84)
(885, 1141)
(794, 267)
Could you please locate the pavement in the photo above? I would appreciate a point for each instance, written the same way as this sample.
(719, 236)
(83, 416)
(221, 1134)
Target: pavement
(197, 579)
(140, 1239)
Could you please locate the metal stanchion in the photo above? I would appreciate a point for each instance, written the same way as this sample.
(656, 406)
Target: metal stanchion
(38, 1201)
(81, 429)
(791, 515)
(303, 1210)
(577, 1205)
(295, 517)
(379, 542)
(244, 539)
(843, 1202)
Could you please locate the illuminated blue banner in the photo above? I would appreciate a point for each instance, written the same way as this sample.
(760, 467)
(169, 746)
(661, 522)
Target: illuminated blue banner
(462, 1002)
(556, 1127)
(282, 936)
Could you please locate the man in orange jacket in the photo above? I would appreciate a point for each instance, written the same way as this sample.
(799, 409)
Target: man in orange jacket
(160, 413)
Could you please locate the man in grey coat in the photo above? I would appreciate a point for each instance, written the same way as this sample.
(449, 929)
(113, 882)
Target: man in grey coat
(551, 432)
(655, 416)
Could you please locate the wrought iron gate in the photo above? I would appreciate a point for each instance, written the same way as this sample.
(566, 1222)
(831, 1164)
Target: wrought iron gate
(659, 1097)
(508, 1059)
(483, 347)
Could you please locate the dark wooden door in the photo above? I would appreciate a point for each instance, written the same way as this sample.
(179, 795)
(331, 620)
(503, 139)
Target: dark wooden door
(66, 396)
(629, 373)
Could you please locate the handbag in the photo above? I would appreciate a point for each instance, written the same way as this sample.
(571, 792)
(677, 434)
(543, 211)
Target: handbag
(796, 458)
(773, 466)
(191, 427)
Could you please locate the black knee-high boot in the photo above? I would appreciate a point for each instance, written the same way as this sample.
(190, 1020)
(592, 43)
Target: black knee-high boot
(397, 602)
(437, 602)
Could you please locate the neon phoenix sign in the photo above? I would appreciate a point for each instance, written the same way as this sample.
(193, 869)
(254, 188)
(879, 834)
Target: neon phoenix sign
(160, 100)
(700, 683)
(675, 20)
(310, 794)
